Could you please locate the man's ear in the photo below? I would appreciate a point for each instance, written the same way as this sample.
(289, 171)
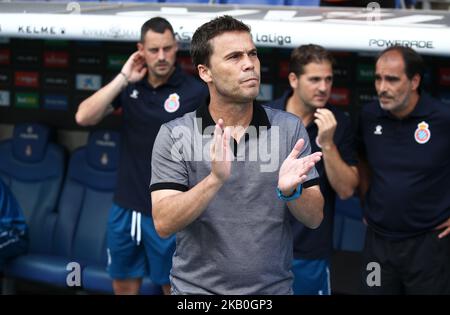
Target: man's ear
(293, 80)
(204, 73)
(415, 81)
(140, 47)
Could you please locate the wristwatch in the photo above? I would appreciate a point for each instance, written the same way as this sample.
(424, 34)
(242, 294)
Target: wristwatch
(293, 196)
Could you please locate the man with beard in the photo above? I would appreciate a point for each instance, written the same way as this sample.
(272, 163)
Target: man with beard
(405, 145)
(151, 90)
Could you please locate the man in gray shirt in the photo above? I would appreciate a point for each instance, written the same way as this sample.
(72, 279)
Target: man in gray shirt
(222, 175)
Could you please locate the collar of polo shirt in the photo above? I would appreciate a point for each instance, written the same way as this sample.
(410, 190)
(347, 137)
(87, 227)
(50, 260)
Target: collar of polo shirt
(259, 118)
(422, 108)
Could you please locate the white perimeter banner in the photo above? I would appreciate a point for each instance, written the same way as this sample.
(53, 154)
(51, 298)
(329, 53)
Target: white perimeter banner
(364, 29)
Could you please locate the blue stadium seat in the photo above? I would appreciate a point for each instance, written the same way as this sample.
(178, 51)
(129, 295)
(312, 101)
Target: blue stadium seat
(33, 168)
(78, 228)
(253, 2)
(350, 208)
(90, 181)
(47, 269)
(309, 3)
(349, 230)
(86, 199)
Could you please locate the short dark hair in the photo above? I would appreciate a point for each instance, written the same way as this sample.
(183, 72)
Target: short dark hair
(305, 54)
(156, 24)
(201, 49)
(414, 63)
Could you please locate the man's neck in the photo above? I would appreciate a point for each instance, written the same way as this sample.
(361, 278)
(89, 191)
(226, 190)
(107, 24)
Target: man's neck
(412, 103)
(233, 115)
(156, 81)
(296, 107)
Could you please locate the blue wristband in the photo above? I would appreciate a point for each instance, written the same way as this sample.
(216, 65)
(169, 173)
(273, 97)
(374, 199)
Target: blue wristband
(294, 195)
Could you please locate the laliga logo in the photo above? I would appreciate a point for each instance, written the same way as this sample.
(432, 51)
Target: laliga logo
(273, 39)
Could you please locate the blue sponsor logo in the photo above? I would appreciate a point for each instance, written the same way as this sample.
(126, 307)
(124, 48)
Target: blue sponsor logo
(88, 82)
(56, 101)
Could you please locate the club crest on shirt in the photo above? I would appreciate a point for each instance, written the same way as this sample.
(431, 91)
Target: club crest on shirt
(422, 134)
(172, 103)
